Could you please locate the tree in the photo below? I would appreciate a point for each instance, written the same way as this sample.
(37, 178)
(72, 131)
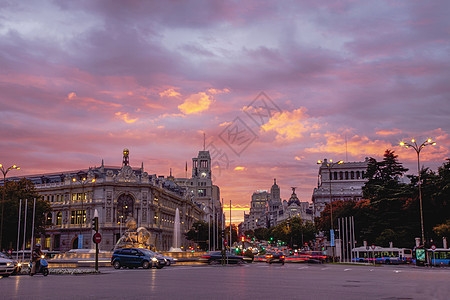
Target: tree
(234, 235)
(262, 234)
(443, 230)
(199, 234)
(14, 191)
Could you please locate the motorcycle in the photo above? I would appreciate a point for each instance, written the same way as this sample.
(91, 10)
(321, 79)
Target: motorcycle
(43, 268)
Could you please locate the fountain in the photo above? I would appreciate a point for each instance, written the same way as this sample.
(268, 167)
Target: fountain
(134, 237)
(176, 233)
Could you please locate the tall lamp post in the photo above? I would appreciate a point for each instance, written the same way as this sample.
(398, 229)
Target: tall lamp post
(329, 165)
(418, 148)
(83, 181)
(4, 171)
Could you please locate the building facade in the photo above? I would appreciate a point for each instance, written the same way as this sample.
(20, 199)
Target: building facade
(118, 194)
(267, 209)
(341, 182)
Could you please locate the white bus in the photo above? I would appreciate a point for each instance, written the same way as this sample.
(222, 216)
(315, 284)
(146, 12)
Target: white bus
(382, 255)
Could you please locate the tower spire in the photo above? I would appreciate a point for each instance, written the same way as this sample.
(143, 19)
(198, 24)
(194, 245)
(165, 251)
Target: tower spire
(204, 141)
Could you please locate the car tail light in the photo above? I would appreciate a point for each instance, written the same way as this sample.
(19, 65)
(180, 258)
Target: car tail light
(206, 256)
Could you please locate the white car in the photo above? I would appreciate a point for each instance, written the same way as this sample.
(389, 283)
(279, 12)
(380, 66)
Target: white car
(7, 266)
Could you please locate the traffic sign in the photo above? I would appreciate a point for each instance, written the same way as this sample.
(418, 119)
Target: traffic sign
(433, 247)
(97, 238)
(373, 247)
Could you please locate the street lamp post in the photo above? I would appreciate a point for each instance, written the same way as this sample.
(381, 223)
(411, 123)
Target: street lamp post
(83, 181)
(329, 165)
(418, 148)
(4, 171)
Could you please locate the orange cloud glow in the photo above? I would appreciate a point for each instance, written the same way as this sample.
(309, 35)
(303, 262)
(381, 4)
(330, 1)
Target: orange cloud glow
(290, 125)
(237, 213)
(71, 96)
(240, 168)
(196, 103)
(125, 117)
(356, 145)
(169, 93)
(388, 132)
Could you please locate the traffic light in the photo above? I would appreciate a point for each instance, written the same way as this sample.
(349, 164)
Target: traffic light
(95, 224)
(242, 238)
(223, 233)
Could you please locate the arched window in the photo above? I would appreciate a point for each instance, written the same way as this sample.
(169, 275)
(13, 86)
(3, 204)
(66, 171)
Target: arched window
(125, 205)
(335, 175)
(346, 175)
(341, 175)
(352, 175)
(49, 220)
(59, 218)
(357, 175)
(362, 174)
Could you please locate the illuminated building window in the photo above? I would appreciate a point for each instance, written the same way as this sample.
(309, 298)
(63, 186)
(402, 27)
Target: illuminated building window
(78, 217)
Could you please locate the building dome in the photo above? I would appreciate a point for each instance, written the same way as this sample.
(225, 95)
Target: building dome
(294, 198)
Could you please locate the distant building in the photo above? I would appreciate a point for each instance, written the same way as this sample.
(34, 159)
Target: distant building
(118, 193)
(200, 188)
(267, 209)
(346, 180)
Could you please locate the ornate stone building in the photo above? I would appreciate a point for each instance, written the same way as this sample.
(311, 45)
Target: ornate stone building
(346, 181)
(117, 193)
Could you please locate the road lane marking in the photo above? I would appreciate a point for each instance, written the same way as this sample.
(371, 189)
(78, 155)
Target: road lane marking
(303, 268)
(345, 270)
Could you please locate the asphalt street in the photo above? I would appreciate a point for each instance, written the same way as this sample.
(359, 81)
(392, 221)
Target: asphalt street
(252, 281)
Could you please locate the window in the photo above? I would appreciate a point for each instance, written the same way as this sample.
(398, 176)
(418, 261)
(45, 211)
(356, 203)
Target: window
(58, 218)
(357, 175)
(78, 217)
(346, 175)
(47, 242)
(335, 175)
(49, 219)
(352, 175)
(201, 192)
(341, 175)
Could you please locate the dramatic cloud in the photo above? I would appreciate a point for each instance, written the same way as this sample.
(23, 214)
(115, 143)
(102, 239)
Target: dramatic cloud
(290, 125)
(81, 80)
(196, 103)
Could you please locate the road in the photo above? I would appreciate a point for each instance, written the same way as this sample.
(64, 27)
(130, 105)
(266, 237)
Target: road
(252, 281)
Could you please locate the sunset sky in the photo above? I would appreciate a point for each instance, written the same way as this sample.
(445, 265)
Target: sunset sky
(273, 85)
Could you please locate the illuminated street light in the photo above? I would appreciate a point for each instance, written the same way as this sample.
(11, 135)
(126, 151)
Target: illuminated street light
(418, 148)
(4, 171)
(329, 165)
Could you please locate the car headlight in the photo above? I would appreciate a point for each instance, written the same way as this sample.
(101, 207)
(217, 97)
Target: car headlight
(154, 259)
(8, 264)
(19, 264)
(42, 256)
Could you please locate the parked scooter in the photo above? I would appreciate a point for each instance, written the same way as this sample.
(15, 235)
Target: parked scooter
(43, 268)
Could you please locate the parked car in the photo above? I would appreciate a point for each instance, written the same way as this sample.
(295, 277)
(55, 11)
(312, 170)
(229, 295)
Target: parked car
(7, 266)
(135, 258)
(276, 257)
(17, 266)
(216, 257)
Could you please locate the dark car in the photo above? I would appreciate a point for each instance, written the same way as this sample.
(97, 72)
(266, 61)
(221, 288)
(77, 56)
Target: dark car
(135, 258)
(275, 258)
(215, 257)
